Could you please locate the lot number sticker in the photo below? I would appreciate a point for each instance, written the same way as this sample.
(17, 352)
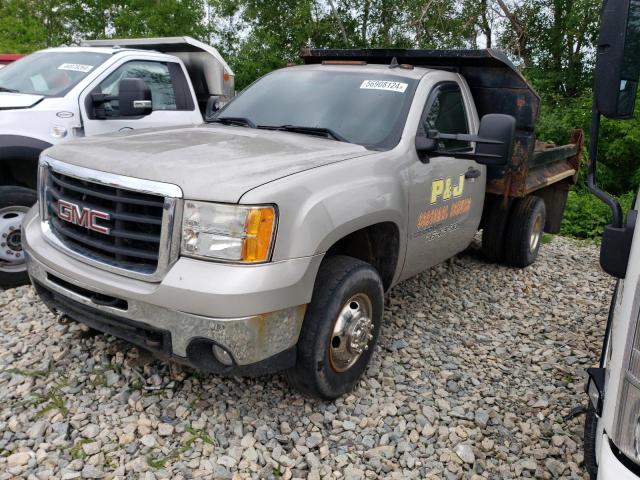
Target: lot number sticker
(76, 67)
(384, 85)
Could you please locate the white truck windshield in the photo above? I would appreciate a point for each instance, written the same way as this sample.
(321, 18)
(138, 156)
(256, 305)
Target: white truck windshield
(367, 108)
(51, 74)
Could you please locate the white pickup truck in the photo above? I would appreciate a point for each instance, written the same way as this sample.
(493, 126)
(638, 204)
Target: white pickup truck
(62, 93)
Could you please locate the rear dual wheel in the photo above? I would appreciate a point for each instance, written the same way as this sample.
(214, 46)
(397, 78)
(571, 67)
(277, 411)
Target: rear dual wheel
(340, 328)
(524, 232)
(513, 233)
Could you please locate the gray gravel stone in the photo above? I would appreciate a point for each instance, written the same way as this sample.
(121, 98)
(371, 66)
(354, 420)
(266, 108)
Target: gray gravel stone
(477, 368)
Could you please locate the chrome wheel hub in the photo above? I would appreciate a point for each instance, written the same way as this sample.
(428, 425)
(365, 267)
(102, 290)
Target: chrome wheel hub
(352, 333)
(536, 233)
(11, 254)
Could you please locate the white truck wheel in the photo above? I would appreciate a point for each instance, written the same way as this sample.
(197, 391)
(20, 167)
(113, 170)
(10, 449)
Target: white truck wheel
(15, 202)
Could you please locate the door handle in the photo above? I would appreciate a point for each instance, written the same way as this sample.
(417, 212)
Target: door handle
(472, 173)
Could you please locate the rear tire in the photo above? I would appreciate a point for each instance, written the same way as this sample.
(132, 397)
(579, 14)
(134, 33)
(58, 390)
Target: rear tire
(524, 232)
(343, 318)
(493, 231)
(15, 202)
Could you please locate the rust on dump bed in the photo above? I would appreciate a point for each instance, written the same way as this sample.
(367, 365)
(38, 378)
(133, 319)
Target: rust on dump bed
(546, 165)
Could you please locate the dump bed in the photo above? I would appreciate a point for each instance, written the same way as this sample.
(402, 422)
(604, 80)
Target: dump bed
(209, 72)
(497, 87)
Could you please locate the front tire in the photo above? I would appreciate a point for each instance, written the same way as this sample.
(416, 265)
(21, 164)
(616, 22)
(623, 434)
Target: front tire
(590, 436)
(524, 232)
(340, 328)
(15, 202)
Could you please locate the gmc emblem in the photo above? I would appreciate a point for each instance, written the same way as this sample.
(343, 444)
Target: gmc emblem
(84, 217)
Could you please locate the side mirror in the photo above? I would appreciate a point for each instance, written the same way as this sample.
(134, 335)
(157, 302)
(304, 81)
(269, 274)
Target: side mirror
(494, 142)
(425, 145)
(213, 105)
(618, 59)
(496, 134)
(134, 98)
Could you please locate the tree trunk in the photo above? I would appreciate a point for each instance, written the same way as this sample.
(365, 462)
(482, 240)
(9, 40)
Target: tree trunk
(365, 22)
(523, 49)
(485, 26)
(340, 24)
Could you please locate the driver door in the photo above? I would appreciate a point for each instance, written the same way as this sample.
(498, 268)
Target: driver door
(446, 194)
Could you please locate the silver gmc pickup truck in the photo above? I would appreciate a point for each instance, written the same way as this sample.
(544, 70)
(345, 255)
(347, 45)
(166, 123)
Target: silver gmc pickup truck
(265, 240)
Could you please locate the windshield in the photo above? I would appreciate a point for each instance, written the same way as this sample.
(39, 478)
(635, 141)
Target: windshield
(367, 108)
(51, 74)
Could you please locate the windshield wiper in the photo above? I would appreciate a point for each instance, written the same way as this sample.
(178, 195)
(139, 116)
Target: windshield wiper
(324, 131)
(9, 90)
(243, 121)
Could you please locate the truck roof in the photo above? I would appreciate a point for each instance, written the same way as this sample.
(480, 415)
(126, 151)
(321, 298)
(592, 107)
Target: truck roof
(496, 84)
(413, 73)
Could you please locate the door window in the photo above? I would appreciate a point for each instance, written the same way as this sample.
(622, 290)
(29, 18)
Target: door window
(155, 74)
(446, 113)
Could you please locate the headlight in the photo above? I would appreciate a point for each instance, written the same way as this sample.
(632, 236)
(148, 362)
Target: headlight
(234, 233)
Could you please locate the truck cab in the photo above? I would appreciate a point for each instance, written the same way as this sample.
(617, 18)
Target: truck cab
(59, 94)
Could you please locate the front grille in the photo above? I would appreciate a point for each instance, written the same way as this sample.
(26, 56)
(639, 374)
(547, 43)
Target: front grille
(107, 221)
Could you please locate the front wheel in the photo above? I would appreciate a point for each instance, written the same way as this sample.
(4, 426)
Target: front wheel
(15, 202)
(340, 329)
(590, 436)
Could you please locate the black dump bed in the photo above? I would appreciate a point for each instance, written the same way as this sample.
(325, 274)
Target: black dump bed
(497, 87)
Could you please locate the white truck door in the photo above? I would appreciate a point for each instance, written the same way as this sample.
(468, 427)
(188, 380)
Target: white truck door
(172, 98)
(446, 194)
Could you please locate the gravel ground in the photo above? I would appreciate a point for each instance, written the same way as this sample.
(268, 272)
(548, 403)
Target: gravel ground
(477, 370)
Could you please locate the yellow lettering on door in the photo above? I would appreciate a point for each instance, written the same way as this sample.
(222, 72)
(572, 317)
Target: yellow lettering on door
(442, 188)
(437, 187)
(457, 191)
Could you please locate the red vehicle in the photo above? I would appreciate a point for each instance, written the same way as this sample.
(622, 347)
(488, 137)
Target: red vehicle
(7, 58)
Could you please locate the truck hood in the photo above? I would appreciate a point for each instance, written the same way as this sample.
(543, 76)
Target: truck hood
(208, 162)
(18, 100)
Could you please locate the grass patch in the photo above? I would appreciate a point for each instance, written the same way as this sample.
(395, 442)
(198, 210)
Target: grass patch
(52, 399)
(97, 377)
(547, 238)
(27, 372)
(158, 461)
(76, 452)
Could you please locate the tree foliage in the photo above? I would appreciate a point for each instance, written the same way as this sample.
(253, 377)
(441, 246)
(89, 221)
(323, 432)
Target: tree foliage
(552, 41)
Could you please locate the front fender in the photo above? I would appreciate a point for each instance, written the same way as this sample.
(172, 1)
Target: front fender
(320, 206)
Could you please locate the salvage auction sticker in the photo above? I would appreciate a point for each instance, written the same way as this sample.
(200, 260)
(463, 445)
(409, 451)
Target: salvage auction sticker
(76, 67)
(384, 85)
